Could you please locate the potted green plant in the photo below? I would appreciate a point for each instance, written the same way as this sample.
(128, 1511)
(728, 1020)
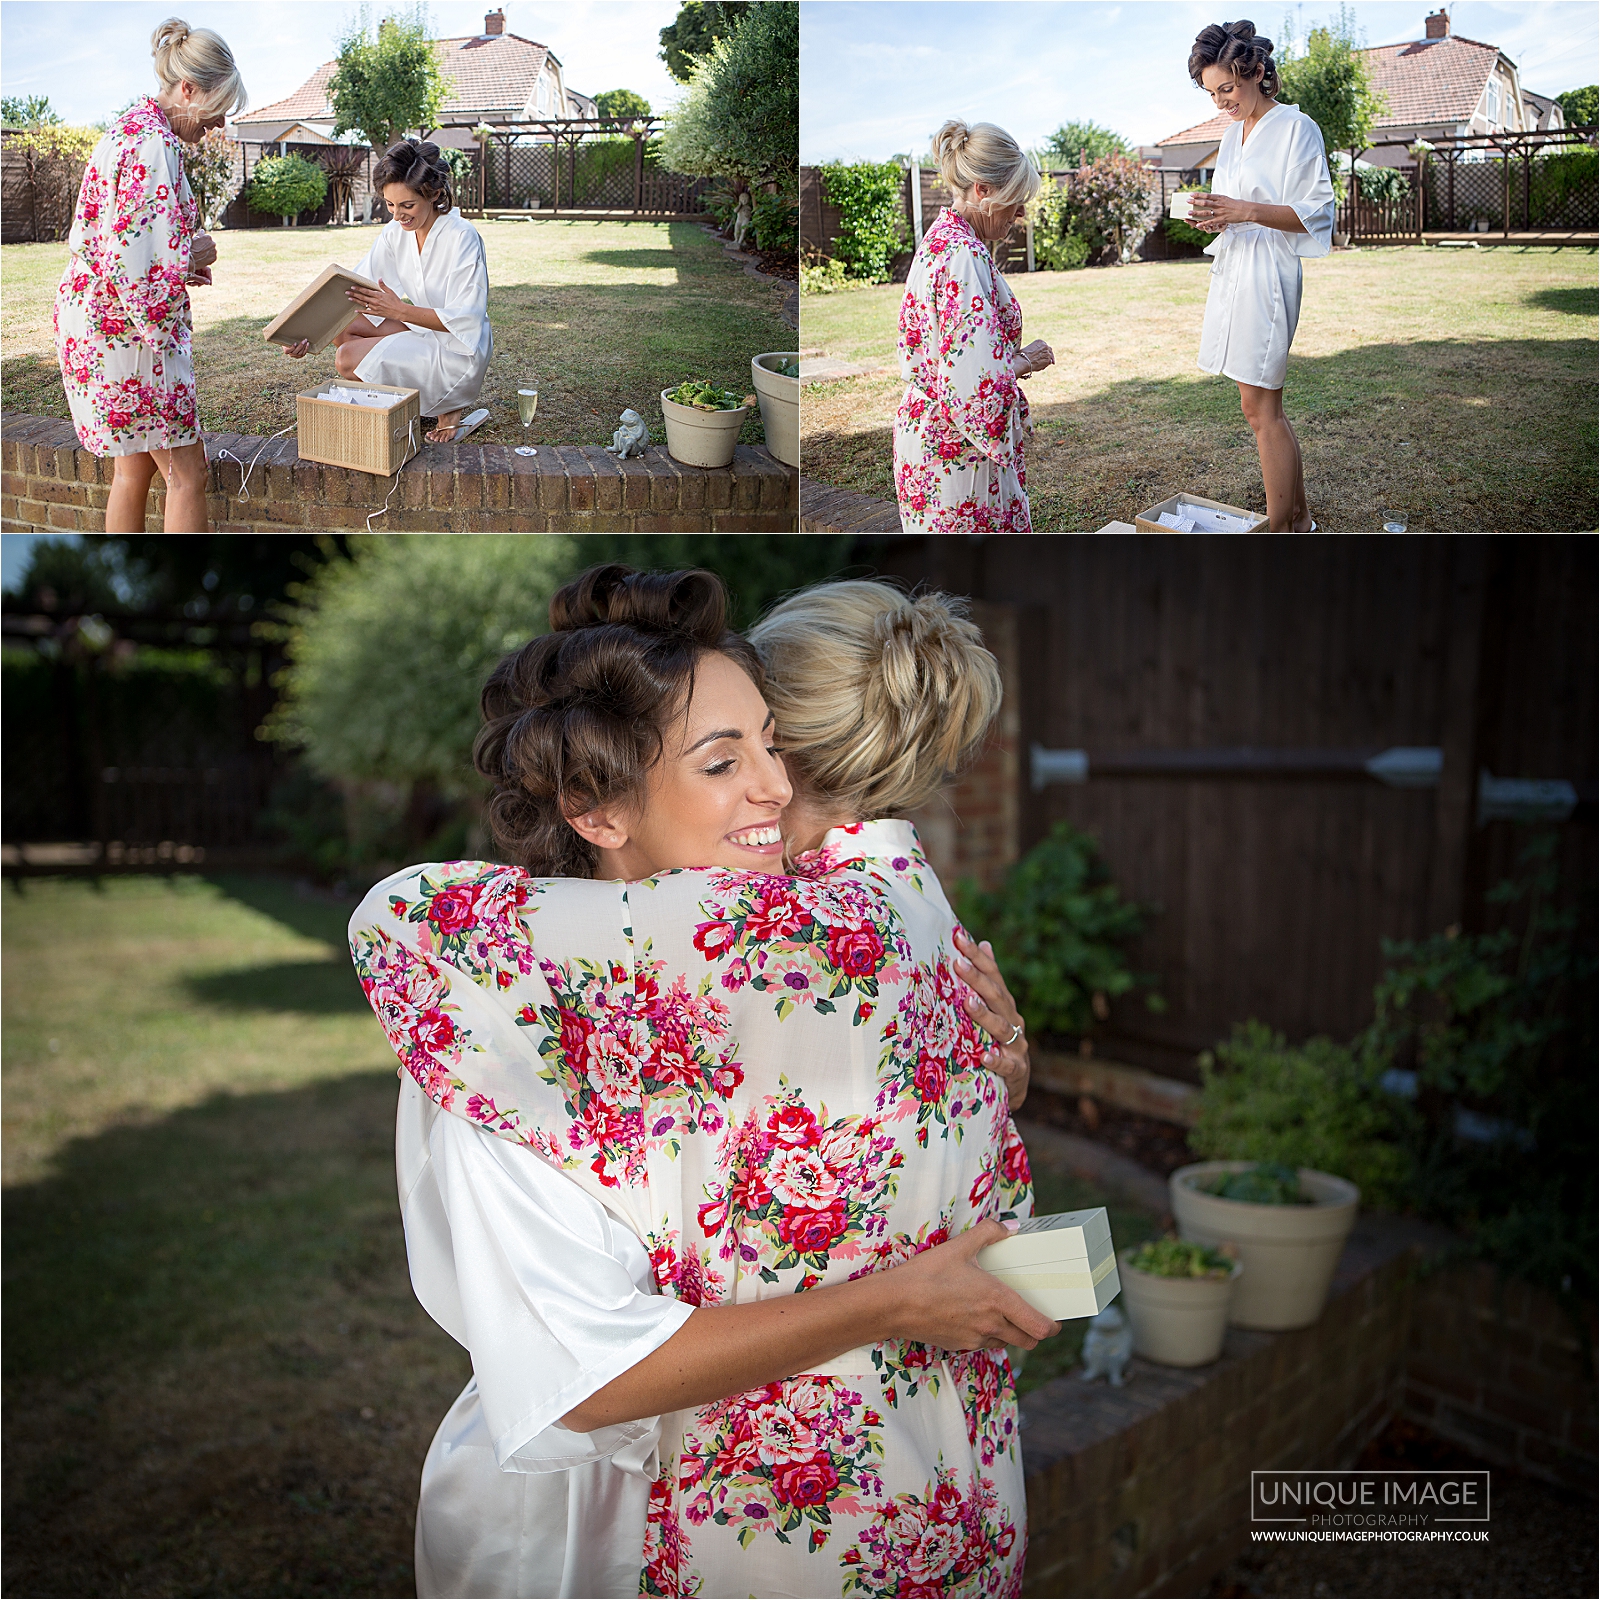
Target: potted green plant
(1288, 1226)
(703, 422)
(1177, 1293)
(776, 375)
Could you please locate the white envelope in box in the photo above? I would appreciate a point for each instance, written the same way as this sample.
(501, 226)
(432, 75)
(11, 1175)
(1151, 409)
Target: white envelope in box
(1063, 1265)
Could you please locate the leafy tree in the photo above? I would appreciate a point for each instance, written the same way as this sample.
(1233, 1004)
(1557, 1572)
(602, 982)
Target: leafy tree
(698, 26)
(386, 82)
(753, 102)
(621, 103)
(1580, 108)
(34, 111)
(1068, 144)
(1328, 80)
(872, 216)
(284, 186)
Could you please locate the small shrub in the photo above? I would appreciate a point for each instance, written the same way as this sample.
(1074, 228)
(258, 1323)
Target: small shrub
(1059, 926)
(777, 221)
(823, 275)
(872, 220)
(1186, 232)
(208, 166)
(284, 186)
(1180, 1258)
(1058, 244)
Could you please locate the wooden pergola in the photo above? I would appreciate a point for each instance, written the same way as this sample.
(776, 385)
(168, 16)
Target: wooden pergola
(568, 132)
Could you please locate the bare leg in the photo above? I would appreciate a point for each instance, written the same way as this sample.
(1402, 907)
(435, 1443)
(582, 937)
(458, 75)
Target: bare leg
(185, 472)
(1282, 471)
(350, 348)
(130, 489)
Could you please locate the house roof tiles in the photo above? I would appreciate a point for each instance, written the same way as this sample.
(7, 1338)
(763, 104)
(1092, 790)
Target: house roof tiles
(488, 72)
(1425, 81)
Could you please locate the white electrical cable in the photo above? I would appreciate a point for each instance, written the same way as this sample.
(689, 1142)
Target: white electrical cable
(383, 510)
(244, 486)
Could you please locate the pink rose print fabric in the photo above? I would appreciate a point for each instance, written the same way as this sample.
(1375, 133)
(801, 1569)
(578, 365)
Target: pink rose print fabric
(959, 432)
(122, 323)
(773, 1081)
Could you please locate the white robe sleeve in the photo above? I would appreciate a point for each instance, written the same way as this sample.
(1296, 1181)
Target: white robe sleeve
(550, 1294)
(1308, 189)
(463, 307)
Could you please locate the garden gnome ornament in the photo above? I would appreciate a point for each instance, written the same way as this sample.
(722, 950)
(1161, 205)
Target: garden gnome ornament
(742, 218)
(1107, 1347)
(631, 438)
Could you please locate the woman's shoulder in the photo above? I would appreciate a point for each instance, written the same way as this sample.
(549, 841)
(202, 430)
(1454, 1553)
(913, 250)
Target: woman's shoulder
(145, 123)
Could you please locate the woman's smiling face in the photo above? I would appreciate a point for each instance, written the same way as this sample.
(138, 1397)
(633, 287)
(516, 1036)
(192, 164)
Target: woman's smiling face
(1236, 97)
(410, 209)
(715, 797)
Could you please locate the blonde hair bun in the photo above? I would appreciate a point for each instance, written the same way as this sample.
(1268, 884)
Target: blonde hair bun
(880, 696)
(197, 55)
(984, 153)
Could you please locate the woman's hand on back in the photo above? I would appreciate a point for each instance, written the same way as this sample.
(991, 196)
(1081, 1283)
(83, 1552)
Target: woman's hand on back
(947, 1300)
(990, 1005)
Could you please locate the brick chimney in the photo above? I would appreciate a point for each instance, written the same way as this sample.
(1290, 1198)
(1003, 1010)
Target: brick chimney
(495, 22)
(1438, 24)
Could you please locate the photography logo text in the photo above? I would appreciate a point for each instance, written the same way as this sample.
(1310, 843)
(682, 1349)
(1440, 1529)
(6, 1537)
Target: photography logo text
(1388, 1506)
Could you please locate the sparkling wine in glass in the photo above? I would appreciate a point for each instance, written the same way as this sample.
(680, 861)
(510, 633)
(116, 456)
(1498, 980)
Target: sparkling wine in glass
(527, 406)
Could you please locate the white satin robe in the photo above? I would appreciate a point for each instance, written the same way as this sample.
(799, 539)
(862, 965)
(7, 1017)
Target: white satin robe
(450, 275)
(554, 1298)
(1254, 304)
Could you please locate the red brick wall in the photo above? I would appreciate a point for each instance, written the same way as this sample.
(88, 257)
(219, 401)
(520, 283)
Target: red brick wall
(1499, 1368)
(49, 483)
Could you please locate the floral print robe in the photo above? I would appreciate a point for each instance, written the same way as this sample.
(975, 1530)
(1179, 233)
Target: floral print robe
(959, 432)
(122, 323)
(774, 1080)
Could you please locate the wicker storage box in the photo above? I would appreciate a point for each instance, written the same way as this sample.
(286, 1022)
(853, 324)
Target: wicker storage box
(362, 438)
(1146, 522)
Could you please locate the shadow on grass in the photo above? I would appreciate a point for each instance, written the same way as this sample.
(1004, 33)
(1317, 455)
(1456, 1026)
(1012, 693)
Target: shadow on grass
(310, 913)
(1579, 302)
(1466, 436)
(658, 260)
(217, 1379)
(313, 988)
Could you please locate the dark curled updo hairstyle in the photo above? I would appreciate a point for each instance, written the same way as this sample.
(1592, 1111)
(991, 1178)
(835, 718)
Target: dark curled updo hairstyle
(1238, 47)
(420, 168)
(575, 719)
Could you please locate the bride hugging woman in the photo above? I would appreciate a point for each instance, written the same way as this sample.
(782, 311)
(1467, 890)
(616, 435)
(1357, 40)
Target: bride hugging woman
(427, 322)
(695, 1162)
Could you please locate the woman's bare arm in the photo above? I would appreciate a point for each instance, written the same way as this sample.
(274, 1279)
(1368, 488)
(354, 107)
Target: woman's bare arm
(941, 1297)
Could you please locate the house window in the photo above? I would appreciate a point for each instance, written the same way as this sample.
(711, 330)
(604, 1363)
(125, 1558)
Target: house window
(1491, 101)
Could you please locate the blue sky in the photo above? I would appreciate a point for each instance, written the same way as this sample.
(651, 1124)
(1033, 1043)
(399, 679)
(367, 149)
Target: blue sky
(878, 78)
(15, 549)
(90, 56)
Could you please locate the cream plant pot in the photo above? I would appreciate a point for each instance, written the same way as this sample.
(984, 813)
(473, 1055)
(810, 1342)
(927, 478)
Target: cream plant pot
(780, 404)
(1288, 1252)
(1179, 1322)
(701, 438)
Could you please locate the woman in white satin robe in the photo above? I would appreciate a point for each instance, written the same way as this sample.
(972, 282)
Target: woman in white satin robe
(1271, 203)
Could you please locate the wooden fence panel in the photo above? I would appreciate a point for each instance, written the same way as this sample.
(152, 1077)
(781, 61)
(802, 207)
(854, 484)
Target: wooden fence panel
(1271, 895)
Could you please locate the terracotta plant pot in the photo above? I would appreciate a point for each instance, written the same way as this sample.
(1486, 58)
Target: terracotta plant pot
(780, 404)
(701, 438)
(1288, 1252)
(1178, 1322)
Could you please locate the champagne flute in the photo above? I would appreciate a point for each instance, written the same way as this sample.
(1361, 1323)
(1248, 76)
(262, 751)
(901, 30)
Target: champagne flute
(527, 405)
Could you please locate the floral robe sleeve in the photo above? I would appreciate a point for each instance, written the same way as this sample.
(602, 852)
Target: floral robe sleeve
(123, 329)
(774, 1080)
(960, 428)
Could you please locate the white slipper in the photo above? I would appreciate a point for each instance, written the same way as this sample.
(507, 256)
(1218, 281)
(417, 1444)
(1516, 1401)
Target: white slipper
(467, 425)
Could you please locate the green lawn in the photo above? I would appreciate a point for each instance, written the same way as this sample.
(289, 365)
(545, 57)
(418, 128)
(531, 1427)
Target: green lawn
(1455, 386)
(216, 1378)
(604, 315)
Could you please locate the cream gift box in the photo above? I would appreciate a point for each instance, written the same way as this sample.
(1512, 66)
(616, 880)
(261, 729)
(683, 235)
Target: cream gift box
(1063, 1265)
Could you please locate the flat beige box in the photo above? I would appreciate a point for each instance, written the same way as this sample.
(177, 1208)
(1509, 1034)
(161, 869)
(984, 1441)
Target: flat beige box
(1064, 1265)
(320, 312)
(363, 438)
(1146, 522)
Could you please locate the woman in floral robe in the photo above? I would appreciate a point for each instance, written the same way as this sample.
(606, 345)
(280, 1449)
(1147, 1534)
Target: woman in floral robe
(776, 1084)
(122, 322)
(961, 426)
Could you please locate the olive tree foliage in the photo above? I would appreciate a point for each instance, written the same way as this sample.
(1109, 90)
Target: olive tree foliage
(698, 25)
(738, 116)
(387, 79)
(1076, 144)
(1327, 79)
(389, 650)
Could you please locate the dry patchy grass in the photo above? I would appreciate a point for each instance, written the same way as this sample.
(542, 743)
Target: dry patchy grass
(604, 315)
(1458, 387)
